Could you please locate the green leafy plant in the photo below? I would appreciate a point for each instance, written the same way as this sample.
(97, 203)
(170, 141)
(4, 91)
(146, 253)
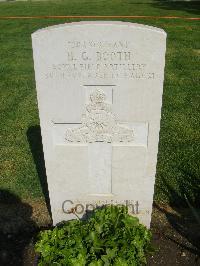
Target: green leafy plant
(109, 237)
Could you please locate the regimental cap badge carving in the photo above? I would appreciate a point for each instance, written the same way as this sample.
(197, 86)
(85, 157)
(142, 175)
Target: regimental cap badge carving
(98, 123)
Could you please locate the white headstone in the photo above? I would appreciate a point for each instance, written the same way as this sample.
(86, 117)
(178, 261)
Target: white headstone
(99, 88)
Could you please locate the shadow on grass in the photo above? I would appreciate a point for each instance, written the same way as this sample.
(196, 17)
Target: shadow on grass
(16, 228)
(187, 6)
(185, 225)
(188, 184)
(182, 218)
(35, 143)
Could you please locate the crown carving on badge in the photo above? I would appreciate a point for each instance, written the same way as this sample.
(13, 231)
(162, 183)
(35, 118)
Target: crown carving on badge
(98, 96)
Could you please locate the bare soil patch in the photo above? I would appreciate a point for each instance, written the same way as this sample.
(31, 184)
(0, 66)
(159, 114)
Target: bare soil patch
(176, 234)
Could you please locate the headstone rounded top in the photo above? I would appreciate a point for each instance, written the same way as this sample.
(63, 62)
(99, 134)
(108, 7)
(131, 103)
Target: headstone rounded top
(98, 23)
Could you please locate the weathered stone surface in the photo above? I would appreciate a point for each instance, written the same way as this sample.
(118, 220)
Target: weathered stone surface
(99, 88)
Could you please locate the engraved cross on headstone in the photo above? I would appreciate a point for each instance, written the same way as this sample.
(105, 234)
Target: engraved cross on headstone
(100, 130)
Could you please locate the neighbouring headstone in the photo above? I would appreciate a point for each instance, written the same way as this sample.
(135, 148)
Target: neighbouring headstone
(99, 88)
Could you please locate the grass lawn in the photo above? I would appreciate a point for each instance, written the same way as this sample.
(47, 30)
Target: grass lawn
(178, 168)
